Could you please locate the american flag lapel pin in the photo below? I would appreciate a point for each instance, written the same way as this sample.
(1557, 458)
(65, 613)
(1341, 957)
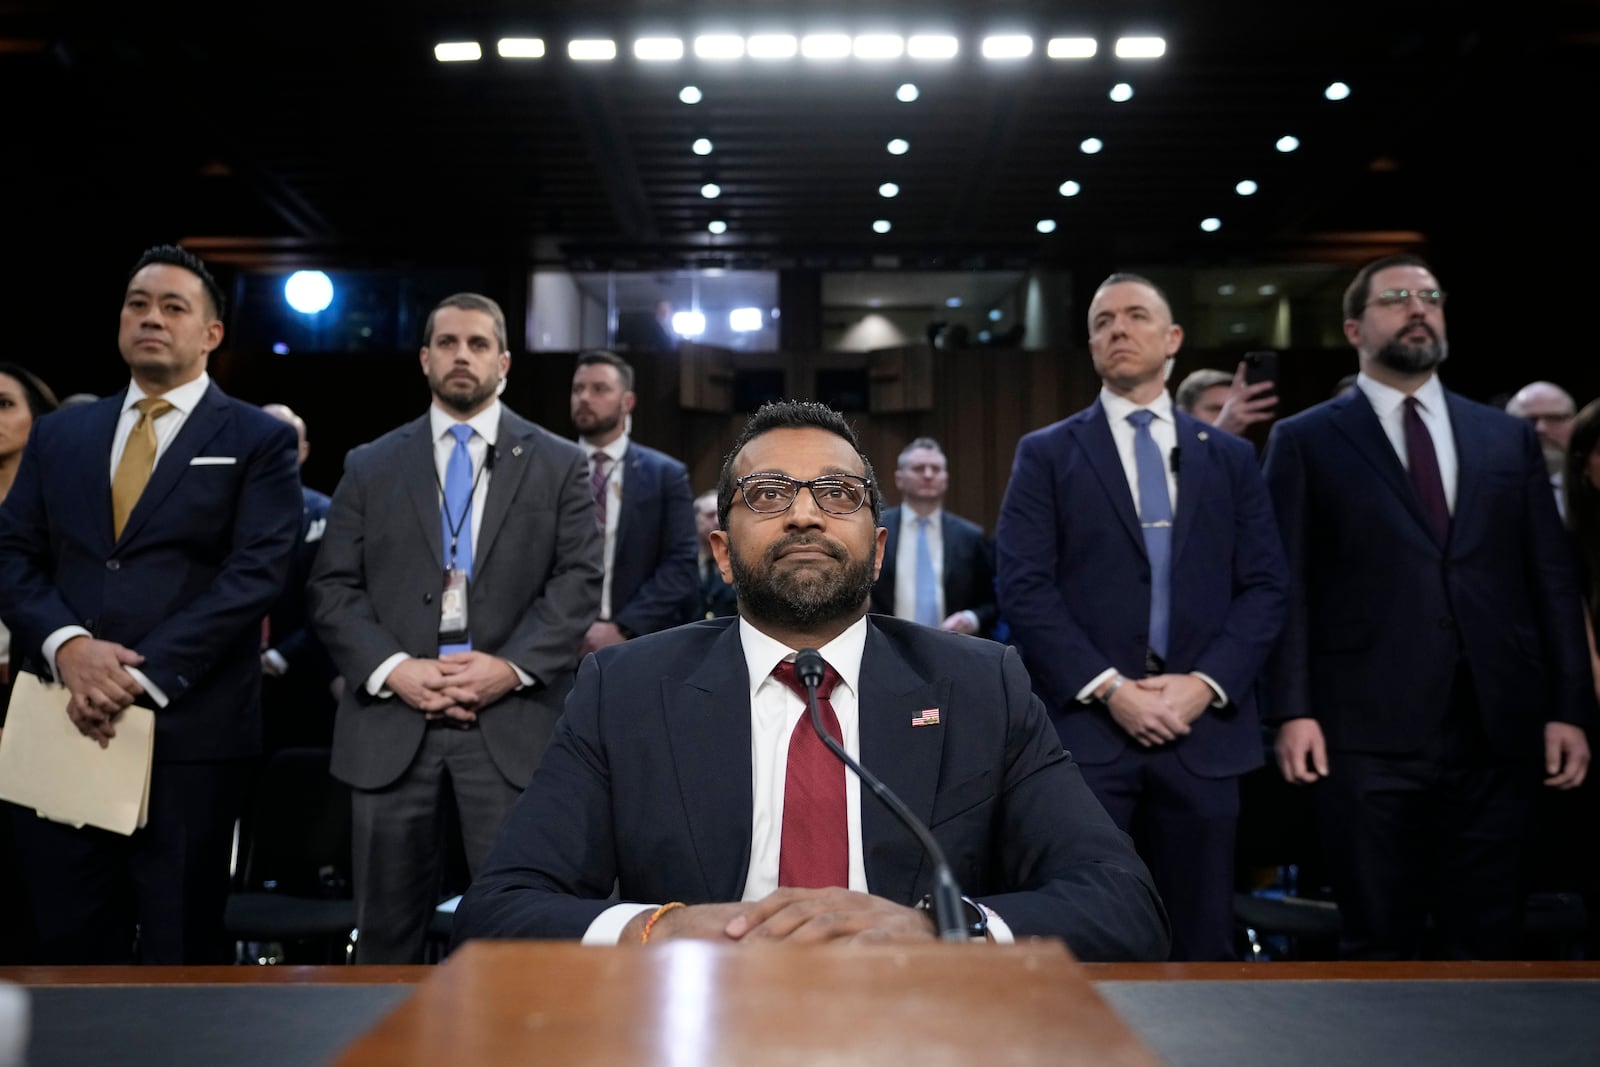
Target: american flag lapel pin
(926, 717)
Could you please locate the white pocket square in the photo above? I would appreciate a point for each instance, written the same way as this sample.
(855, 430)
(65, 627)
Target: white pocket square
(213, 461)
(314, 531)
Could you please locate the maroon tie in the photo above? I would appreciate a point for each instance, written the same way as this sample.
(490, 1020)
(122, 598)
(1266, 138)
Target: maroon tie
(816, 836)
(1424, 464)
(599, 480)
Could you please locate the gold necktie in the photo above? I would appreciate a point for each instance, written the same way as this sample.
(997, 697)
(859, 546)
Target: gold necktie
(138, 459)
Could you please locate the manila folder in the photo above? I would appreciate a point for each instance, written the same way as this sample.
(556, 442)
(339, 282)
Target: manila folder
(47, 765)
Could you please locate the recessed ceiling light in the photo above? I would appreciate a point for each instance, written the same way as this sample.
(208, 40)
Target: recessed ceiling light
(952, 302)
(520, 48)
(1211, 225)
(1227, 289)
(1007, 46)
(1090, 145)
(717, 226)
(825, 45)
(932, 46)
(658, 49)
(457, 51)
(906, 93)
(719, 46)
(888, 189)
(1337, 91)
(701, 146)
(1246, 188)
(1070, 188)
(1140, 47)
(711, 190)
(994, 315)
(1268, 290)
(880, 226)
(899, 146)
(595, 50)
(772, 46)
(878, 46)
(1045, 225)
(1071, 48)
(1121, 93)
(689, 94)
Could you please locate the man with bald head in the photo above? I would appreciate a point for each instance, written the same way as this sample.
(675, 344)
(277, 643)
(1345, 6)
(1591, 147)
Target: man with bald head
(1551, 410)
(298, 681)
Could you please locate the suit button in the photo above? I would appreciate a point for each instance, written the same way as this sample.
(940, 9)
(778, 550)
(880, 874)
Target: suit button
(427, 598)
(113, 565)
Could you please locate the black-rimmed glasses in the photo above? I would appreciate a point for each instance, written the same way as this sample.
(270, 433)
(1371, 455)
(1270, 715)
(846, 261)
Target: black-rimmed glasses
(1391, 298)
(836, 494)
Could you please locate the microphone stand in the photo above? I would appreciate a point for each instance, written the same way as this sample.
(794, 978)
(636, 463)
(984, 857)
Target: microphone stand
(947, 907)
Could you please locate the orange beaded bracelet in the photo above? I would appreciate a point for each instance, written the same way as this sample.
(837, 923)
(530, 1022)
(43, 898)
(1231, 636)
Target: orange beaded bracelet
(644, 935)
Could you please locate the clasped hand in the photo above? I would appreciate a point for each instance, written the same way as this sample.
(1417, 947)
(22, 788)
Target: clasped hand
(456, 686)
(799, 916)
(95, 673)
(1160, 708)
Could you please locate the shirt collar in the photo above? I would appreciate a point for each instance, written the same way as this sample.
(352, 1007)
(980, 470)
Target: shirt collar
(616, 449)
(1118, 408)
(1385, 398)
(184, 397)
(485, 422)
(843, 654)
(909, 517)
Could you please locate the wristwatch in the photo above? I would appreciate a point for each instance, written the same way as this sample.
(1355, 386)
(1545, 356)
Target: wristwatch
(977, 924)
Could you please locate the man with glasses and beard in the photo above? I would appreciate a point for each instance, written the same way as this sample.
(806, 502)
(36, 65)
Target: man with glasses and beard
(459, 569)
(1434, 666)
(686, 795)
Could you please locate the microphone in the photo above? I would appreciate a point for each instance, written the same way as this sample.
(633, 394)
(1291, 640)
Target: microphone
(947, 907)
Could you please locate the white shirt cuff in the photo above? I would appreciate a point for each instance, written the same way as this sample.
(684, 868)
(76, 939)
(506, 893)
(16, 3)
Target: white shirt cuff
(998, 930)
(1222, 697)
(53, 643)
(149, 687)
(1086, 694)
(275, 657)
(524, 679)
(607, 926)
(375, 680)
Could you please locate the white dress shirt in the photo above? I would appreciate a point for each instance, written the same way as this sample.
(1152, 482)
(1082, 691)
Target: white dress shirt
(183, 399)
(616, 450)
(1388, 404)
(905, 565)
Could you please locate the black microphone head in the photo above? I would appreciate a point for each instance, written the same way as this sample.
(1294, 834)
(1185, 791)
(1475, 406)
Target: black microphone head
(809, 666)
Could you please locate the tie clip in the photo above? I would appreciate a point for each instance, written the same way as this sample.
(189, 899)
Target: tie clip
(1160, 524)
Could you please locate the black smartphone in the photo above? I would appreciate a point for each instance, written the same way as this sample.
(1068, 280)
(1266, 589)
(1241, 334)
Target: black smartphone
(1260, 367)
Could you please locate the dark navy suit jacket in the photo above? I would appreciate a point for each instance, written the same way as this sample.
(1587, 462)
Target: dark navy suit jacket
(291, 633)
(204, 554)
(655, 573)
(1074, 582)
(646, 788)
(968, 569)
(1381, 615)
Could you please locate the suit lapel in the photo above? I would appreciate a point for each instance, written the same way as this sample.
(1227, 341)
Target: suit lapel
(1196, 468)
(512, 451)
(209, 416)
(1471, 458)
(97, 443)
(708, 731)
(891, 547)
(1360, 425)
(421, 479)
(904, 756)
(1093, 433)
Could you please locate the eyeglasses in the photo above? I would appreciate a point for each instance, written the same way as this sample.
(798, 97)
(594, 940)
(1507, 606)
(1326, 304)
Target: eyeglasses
(1393, 298)
(773, 494)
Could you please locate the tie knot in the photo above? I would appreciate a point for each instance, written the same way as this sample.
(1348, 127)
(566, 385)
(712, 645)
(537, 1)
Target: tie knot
(462, 433)
(601, 461)
(1141, 418)
(785, 672)
(152, 407)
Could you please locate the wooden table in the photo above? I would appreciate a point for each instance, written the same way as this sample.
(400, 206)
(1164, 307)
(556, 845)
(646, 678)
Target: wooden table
(559, 1003)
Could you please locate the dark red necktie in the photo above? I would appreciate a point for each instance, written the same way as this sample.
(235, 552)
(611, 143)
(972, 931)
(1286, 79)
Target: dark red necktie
(1424, 464)
(816, 838)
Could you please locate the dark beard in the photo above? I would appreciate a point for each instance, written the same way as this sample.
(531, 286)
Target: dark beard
(598, 426)
(1406, 358)
(463, 403)
(801, 599)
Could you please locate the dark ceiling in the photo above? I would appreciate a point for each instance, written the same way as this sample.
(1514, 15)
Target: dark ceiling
(297, 130)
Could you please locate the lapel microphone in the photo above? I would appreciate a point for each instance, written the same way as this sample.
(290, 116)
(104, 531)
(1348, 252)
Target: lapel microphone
(947, 907)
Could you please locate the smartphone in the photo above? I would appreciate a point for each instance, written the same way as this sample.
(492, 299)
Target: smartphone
(1260, 367)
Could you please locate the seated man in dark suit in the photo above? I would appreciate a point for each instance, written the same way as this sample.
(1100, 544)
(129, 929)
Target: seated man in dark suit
(667, 780)
(942, 573)
(715, 598)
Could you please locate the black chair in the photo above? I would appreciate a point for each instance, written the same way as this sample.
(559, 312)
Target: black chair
(291, 898)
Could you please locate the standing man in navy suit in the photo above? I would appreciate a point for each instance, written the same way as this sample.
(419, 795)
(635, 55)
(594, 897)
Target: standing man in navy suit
(145, 538)
(1143, 577)
(942, 572)
(686, 794)
(298, 679)
(460, 567)
(643, 506)
(1434, 664)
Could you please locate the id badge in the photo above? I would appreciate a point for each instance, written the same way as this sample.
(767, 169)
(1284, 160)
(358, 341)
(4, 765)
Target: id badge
(453, 607)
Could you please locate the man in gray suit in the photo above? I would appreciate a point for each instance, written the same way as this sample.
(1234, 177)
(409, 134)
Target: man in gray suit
(460, 567)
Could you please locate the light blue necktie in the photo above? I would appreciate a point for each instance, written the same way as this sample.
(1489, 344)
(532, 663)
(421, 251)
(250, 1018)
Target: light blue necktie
(456, 514)
(1155, 517)
(927, 578)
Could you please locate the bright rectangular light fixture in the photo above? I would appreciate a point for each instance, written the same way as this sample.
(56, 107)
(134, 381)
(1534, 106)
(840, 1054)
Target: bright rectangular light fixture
(719, 46)
(772, 46)
(1016, 46)
(1072, 48)
(457, 51)
(1141, 47)
(744, 320)
(825, 45)
(688, 323)
(588, 50)
(929, 46)
(878, 46)
(520, 48)
(658, 48)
